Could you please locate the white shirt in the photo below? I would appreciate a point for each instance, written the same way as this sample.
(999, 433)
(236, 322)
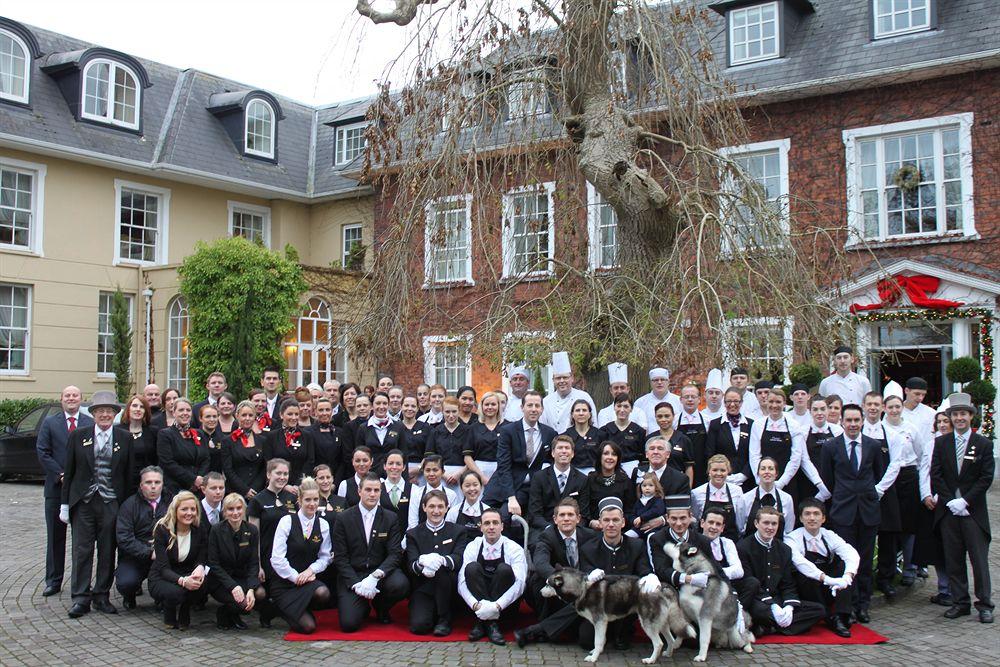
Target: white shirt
(909, 444)
(745, 502)
(557, 410)
(342, 487)
(279, 552)
(751, 406)
(607, 416)
(368, 519)
(513, 555)
(800, 541)
(270, 403)
(711, 415)
(647, 403)
(798, 447)
(723, 546)
(851, 388)
(804, 420)
(183, 546)
(922, 417)
(698, 496)
(380, 431)
(476, 509)
(431, 417)
(417, 496)
(399, 485)
(878, 432)
(512, 411)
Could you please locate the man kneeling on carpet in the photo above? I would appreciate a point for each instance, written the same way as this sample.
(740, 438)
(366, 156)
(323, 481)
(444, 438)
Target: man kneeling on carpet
(492, 578)
(826, 565)
(367, 547)
(434, 556)
(777, 607)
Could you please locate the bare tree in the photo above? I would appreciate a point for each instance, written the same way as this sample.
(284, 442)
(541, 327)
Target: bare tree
(627, 98)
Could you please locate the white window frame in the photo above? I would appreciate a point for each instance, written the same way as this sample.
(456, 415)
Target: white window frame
(539, 91)
(36, 230)
(344, 250)
(430, 211)
(430, 345)
(508, 340)
(130, 298)
(594, 204)
(163, 222)
(109, 117)
(877, 34)
(777, 33)
(27, 334)
(26, 72)
(341, 139)
(733, 152)
(508, 232)
(335, 345)
(178, 304)
(855, 210)
(272, 123)
(732, 359)
(234, 207)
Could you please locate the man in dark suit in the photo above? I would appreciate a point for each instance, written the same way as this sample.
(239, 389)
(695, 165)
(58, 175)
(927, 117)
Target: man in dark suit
(679, 532)
(215, 385)
(51, 447)
(961, 472)
(673, 481)
(367, 554)
(558, 481)
(851, 467)
(134, 533)
(729, 435)
(523, 447)
(96, 482)
(270, 381)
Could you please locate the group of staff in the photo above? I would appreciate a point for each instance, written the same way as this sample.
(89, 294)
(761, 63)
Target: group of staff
(284, 504)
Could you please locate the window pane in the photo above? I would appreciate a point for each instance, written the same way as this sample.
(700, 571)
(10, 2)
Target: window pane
(753, 33)
(138, 229)
(16, 194)
(13, 68)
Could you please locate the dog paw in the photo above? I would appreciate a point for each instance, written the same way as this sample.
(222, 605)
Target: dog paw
(591, 657)
(698, 658)
(648, 661)
(748, 648)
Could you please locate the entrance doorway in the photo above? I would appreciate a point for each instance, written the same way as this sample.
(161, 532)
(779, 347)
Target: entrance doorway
(912, 349)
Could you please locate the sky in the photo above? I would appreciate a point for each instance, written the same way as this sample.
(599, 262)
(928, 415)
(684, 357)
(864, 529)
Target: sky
(316, 52)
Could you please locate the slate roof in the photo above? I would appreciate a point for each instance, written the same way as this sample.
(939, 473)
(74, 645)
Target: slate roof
(183, 139)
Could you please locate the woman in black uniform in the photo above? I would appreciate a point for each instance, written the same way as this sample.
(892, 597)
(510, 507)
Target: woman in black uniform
(680, 446)
(485, 435)
(227, 412)
(379, 433)
(348, 404)
(243, 459)
(362, 463)
(623, 431)
(587, 439)
(300, 552)
(212, 435)
(136, 419)
(181, 452)
(180, 553)
(467, 405)
(609, 480)
(415, 435)
(330, 504)
(328, 442)
(292, 444)
(266, 509)
(452, 441)
(396, 489)
(234, 564)
(467, 513)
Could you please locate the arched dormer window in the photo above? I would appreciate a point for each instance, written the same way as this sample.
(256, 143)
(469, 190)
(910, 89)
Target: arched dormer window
(15, 67)
(111, 93)
(259, 129)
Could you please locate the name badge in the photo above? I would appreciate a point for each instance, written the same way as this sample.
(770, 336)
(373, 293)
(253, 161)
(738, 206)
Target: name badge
(88, 443)
(244, 544)
(382, 535)
(969, 457)
(116, 448)
(418, 432)
(315, 538)
(575, 493)
(448, 541)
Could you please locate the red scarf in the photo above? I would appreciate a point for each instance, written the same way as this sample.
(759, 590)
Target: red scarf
(292, 437)
(191, 434)
(264, 422)
(238, 434)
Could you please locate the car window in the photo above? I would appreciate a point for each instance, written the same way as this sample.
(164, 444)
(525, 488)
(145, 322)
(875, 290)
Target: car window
(31, 421)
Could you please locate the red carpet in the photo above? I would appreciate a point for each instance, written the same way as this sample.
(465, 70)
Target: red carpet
(398, 631)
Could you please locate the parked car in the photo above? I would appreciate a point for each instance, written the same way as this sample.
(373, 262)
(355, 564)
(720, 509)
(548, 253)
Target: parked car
(18, 455)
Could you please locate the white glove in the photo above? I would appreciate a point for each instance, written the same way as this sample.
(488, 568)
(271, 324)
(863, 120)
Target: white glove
(432, 564)
(823, 494)
(776, 613)
(64, 513)
(494, 611)
(595, 576)
(786, 616)
(488, 611)
(958, 506)
(699, 580)
(367, 587)
(835, 583)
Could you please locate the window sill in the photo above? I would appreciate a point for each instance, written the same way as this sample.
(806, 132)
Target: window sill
(20, 250)
(954, 237)
(15, 377)
(901, 33)
(537, 276)
(755, 61)
(136, 263)
(104, 379)
(448, 285)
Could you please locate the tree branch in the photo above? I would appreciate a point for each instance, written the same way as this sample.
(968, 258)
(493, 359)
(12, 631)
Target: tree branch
(402, 15)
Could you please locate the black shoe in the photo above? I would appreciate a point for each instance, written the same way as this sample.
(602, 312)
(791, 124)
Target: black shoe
(923, 573)
(494, 635)
(128, 601)
(523, 638)
(908, 579)
(985, 615)
(941, 599)
(239, 623)
(184, 617)
(852, 618)
(955, 611)
(889, 591)
(863, 615)
(839, 628)
(442, 629)
(170, 619)
(478, 632)
(223, 620)
(105, 607)
(51, 590)
(78, 610)
(622, 643)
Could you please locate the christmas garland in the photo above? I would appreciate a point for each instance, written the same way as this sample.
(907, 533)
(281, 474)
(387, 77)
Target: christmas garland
(985, 317)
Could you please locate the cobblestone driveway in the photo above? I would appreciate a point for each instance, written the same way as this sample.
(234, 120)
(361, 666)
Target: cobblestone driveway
(36, 631)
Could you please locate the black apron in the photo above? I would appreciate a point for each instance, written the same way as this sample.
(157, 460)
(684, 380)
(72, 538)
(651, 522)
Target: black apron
(726, 508)
(814, 449)
(291, 600)
(889, 505)
(351, 493)
(778, 446)
(468, 522)
(749, 529)
(489, 566)
(697, 434)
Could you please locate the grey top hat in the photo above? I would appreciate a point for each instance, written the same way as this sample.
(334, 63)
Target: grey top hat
(104, 399)
(960, 401)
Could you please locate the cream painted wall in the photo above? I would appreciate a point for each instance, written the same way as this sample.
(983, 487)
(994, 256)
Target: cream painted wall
(327, 224)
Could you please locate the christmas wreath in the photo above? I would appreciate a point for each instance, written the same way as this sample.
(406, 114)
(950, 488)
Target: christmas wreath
(907, 178)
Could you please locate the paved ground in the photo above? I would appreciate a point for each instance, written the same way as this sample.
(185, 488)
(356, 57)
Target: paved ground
(36, 631)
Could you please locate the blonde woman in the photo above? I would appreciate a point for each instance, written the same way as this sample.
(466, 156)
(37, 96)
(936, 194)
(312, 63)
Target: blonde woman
(234, 564)
(180, 552)
(485, 435)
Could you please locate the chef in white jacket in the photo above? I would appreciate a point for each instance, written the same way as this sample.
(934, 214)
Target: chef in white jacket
(715, 387)
(520, 383)
(659, 380)
(556, 407)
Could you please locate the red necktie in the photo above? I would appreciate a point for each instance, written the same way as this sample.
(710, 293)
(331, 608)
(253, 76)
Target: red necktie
(72, 424)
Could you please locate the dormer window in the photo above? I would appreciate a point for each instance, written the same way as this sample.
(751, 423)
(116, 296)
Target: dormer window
(259, 129)
(527, 93)
(351, 142)
(754, 33)
(111, 94)
(901, 17)
(14, 68)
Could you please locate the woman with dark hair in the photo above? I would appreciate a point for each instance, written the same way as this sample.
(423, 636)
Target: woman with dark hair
(362, 411)
(227, 412)
(586, 438)
(165, 417)
(328, 439)
(265, 510)
(609, 480)
(348, 395)
(182, 454)
(234, 564)
(361, 463)
(243, 458)
(623, 431)
(212, 435)
(452, 441)
(291, 443)
(305, 400)
(467, 405)
(379, 432)
(468, 513)
(180, 554)
(135, 419)
(415, 435)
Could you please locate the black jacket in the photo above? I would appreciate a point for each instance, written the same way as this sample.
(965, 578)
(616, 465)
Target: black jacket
(366, 435)
(80, 472)
(354, 556)
(545, 494)
(720, 441)
(772, 568)
(628, 558)
(181, 459)
(973, 479)
(300, 454)
(512, 461)
(415, 440)
(244, 467)
(664, 566)
(135, 523)
(448, 541)
(328, 447)
(51, 448)
(166, 566)
(233, 556)
(632, 440)
(853, 491)
(550, 550)
(672, 480)
(452, 446)
(586, 448)
(143, 450)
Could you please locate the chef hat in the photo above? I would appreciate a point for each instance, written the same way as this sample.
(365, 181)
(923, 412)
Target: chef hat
(560, 363)
(892, 389)
(617, 372)
(681, 501)
(714, 380)
(518, 370)
(659, 373)
(945, 404)
(799, 386)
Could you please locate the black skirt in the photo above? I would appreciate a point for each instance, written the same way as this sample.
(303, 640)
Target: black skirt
(908, 496)
(291, 600)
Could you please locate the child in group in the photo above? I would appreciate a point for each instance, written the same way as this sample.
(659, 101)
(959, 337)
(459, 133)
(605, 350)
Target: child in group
(648, 506)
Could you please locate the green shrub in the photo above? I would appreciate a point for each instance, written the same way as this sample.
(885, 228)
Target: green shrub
(13, 409)
(982, 392)
(807, 373)
(963, 369)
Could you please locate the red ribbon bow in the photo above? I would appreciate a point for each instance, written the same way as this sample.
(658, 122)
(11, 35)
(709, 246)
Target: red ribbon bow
(917, 288)
(292, 437)
(382, 423)
(238, 434)
(264, 422)
(191, 434)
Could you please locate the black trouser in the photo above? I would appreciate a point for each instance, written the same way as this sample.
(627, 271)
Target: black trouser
(746, 590)
(130, 574)
(55, 543)
(431, 601)
(559, 621)
(804, 616)
(93, 523)
(862, 538)
(354, 609)
(961, 535)
(484, 586)
(814, 591)
(889, 544)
